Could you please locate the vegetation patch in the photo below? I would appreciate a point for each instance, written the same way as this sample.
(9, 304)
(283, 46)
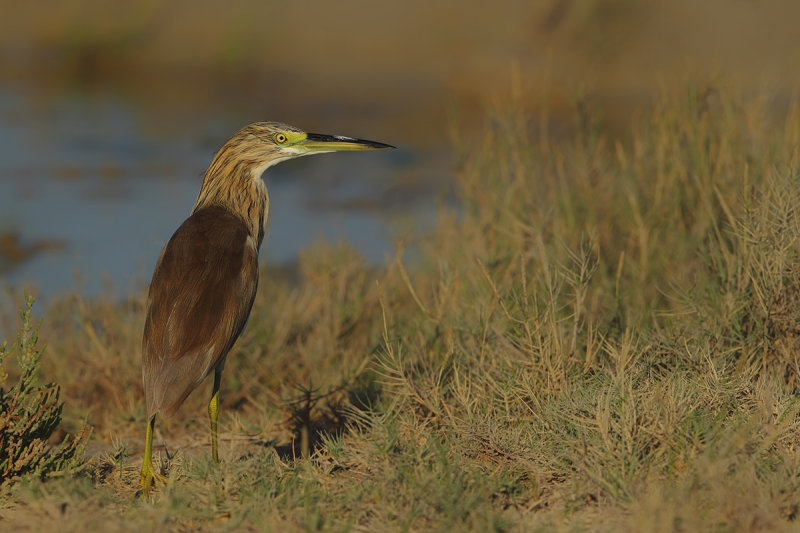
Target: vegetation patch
(30, 414)
(602, 337)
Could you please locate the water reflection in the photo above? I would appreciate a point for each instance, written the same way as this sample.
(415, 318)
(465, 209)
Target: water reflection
(87, 196)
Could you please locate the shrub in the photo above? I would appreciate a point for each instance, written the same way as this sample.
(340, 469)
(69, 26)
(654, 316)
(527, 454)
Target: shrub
(30, 413)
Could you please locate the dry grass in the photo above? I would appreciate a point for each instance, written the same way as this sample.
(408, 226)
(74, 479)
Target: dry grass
(605, 338)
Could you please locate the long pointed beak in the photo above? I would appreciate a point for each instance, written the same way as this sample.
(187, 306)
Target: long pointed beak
(318, 143)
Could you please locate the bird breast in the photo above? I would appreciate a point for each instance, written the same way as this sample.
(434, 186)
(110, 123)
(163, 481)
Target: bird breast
(263, 195)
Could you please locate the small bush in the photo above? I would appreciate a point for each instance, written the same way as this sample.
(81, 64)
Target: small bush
(30, 413)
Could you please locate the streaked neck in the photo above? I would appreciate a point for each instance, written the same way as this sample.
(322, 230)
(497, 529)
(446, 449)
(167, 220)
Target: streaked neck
(235, 183)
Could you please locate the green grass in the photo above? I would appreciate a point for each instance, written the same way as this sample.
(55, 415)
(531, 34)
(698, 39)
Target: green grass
(606, 338)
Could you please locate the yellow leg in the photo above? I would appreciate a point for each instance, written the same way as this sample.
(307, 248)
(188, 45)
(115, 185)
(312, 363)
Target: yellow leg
(149, 475)
(213, 414)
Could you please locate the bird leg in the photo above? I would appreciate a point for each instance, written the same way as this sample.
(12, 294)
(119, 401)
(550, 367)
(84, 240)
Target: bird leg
(149, 474)
(213, 414)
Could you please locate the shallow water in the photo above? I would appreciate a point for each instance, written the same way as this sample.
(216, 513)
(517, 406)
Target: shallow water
(91, 178)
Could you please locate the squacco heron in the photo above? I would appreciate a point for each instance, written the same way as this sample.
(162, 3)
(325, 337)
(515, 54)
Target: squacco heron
(205, 280)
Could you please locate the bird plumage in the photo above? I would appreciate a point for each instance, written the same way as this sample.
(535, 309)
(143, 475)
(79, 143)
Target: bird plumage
(205, 280)
(202, 290)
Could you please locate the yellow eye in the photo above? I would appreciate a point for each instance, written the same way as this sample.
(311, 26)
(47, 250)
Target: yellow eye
(280, 138)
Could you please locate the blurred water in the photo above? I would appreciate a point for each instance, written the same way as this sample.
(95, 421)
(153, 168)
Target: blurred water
(82, 171)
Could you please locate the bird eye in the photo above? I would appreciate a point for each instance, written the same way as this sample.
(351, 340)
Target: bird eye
(280, 138)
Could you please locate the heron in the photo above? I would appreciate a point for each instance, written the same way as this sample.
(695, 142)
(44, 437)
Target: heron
(205, 279)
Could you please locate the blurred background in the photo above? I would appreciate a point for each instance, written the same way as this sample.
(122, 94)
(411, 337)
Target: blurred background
(110, 112)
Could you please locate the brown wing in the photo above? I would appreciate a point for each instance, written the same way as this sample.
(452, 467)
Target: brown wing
(200, 297)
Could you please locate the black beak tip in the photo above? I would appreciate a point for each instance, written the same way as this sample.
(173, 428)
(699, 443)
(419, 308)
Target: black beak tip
(380, 146)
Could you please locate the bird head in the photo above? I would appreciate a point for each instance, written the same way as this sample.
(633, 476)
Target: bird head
(234, 177)
(268, 143)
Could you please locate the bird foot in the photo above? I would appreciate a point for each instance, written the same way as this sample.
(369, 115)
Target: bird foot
(149, 478)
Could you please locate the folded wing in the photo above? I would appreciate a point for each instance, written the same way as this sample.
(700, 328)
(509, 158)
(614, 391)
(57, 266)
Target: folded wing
(198, 304)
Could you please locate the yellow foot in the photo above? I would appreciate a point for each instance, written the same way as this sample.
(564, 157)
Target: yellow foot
(149, 478)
